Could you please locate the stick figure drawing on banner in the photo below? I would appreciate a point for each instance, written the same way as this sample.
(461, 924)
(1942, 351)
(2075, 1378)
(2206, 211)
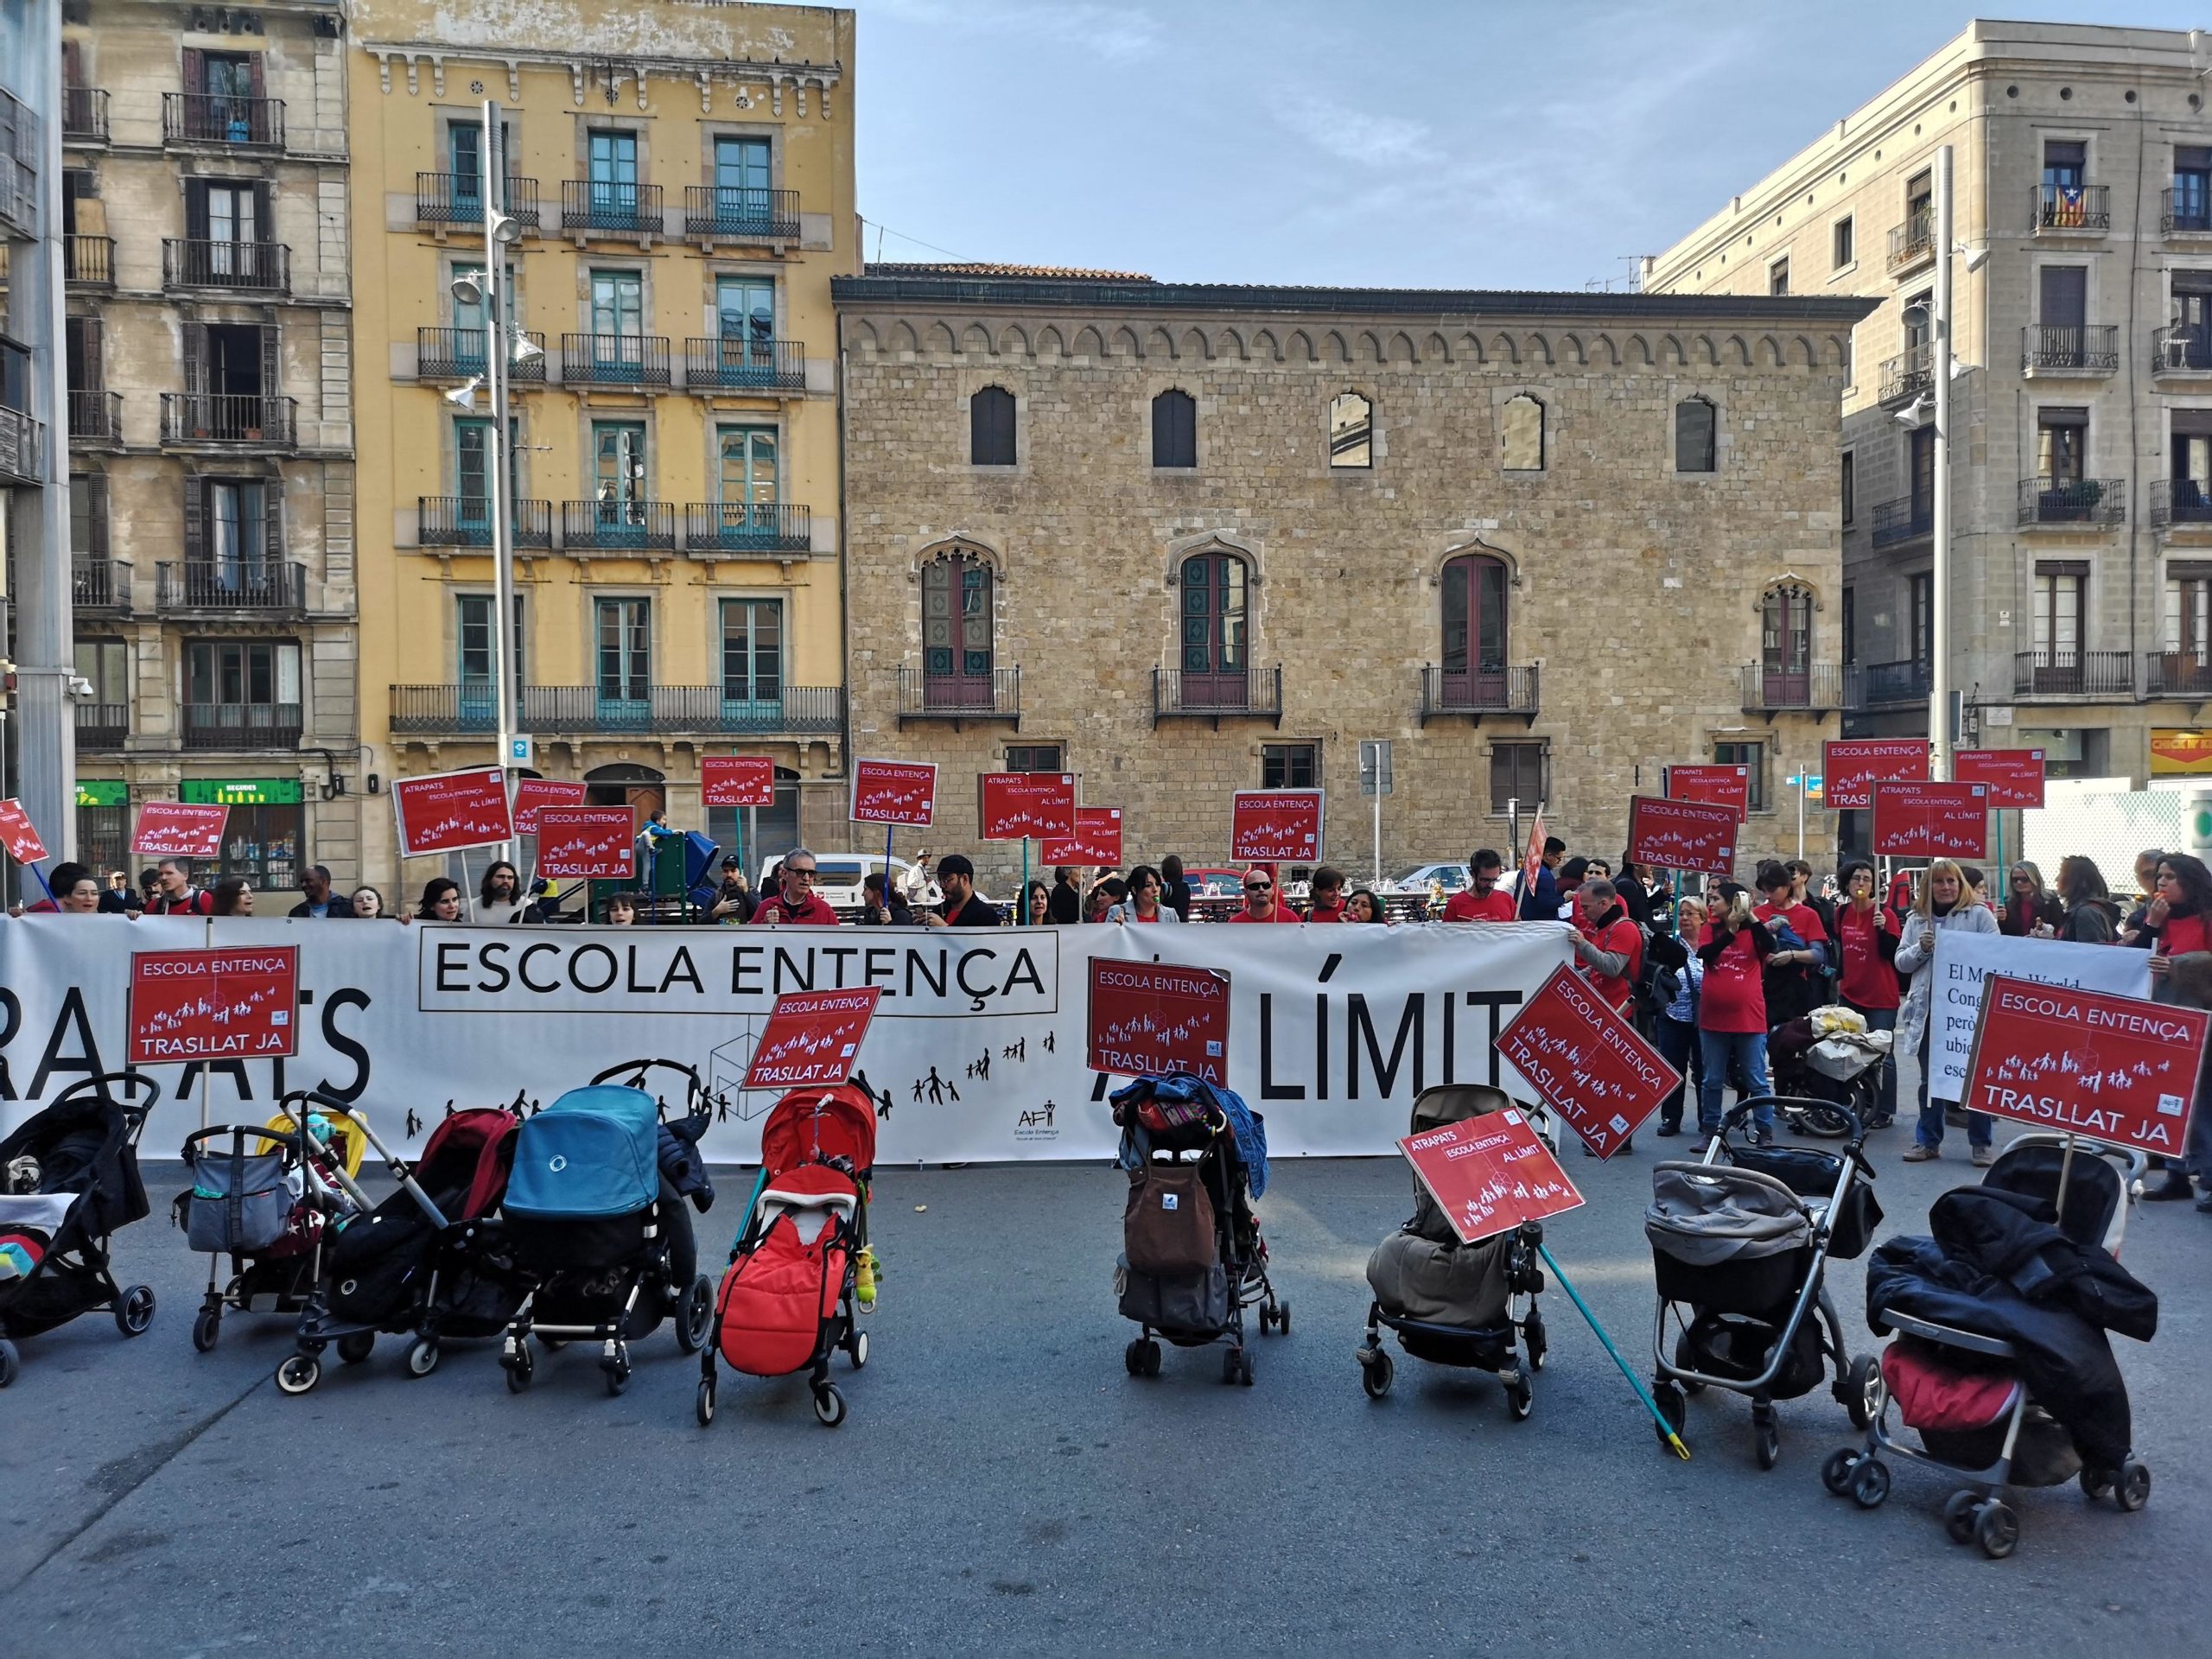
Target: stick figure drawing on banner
(936, 1088)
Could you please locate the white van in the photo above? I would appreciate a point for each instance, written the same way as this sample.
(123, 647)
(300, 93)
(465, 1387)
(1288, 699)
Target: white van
(838, 877)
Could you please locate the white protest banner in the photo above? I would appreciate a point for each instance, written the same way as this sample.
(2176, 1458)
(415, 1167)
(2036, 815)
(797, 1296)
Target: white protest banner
(1962, 960)
(977, 1050)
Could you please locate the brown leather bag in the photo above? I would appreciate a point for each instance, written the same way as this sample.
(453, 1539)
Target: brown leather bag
(1167, 1229)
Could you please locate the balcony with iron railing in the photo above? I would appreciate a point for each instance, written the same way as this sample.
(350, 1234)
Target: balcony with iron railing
(2067, 672)
(2177, 674)
(995, 695)
(102, 726)
(1905, 376)
(1487, 689)
(743, 527)
(2075, 501)
(466, 521)
(2178, 348)
(22, 448)
(84, 115)
(225, 587)
(1228, 694)
(2185, 212)
(2059, 348)
(460, 354)
(100, 584)
(1905, 519)
(88, 261)
(2072, 209)
(230, 419)
(2180, 501)
(742, 363)
(1806, 688)
(1912, 242)
(95, 419)
(245, 726)
(1878, 685)
(724, 213)
(556, 711)
(618, 526)
(605, 207)
(615, 360)
(234, 267)
(443, 199)
(221, 119)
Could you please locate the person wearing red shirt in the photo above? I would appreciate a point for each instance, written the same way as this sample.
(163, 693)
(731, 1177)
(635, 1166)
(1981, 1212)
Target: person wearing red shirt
(1260, 904)
(1484, 901)
(175, 895)
(1732, 1008)
(1867, 936)
(2179, 920)
(1794, 974)
(1328, 903)
(795, 903)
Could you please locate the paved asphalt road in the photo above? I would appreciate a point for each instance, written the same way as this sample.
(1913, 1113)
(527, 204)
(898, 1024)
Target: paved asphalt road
(1001, 1486)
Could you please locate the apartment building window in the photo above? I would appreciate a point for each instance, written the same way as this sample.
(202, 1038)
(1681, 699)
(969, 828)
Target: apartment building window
(1522, 428)
(990, 427)
(223, 93)
(105, 663)
(744, 168)
(1174, 429)
(2065, 163)
(1850, 627)
(745, 309)
(957, 619)
(1351, 431)
(1694, 435)
(751, 658)
(1752, 758)
(2192, 190)
(1918, 319)
(465, 161)
(1035, 757)
(1522, 773)
(624, 645)
(613, 158)
(81, 338)
(88, 528)
(619, 477)
(1842, 248)
(230, 378)
(478, 653)
(2062, 446)
(2188, 613)
(1919, 207)
(1920, 617)
(1920, 470)
(2062, 603)
(1289, 765)
(1778, 278)
(2192, 459)
(2062, 315)
(748, 471)
(241, 693)
(617, 325)
(1850, 486)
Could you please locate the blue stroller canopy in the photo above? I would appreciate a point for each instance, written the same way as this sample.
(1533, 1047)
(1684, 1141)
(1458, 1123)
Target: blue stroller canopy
(594, 1152)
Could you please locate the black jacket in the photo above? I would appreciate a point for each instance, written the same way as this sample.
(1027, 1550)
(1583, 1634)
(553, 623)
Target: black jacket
(1995, 1267)
(340, 909)
(973, 913)
(902, 913)
(1064, 904)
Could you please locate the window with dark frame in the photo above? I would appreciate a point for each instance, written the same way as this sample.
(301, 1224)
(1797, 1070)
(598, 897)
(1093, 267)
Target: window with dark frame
(990, 427)
(1843, 251)
(1174, 429)
(2187, 633)
(1289, 765)
(1850, 484)
(2061, 446)
(1519, 772)
(1850, 627)
(1035, 757)
(1778, 278)
(2062, 610)
(2192, 188)
(1752, 758)
(1694, 435)
(1920, 614)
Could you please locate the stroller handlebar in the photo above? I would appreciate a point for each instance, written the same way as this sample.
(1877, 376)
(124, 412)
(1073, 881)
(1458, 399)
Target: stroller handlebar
(100, 1083)
(1742, 1109)
(695, 1096)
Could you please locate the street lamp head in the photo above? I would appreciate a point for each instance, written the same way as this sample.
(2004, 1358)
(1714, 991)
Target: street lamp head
(1917, 413)
(505, 228)
(464, 397)
(526, 350)
(469, 287)
(1975, 257)
(1918, 315)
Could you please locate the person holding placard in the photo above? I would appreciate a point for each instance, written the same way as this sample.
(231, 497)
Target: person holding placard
(1946, 904)
(1731, 1009)
(1867, 936)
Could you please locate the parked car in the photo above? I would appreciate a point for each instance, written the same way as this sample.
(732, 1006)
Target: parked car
(838, 877)
(1427, 877)
(1215, 884)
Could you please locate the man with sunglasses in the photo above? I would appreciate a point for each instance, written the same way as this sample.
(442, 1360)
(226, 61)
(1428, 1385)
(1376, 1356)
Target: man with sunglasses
(795, 902)
(1260, 904)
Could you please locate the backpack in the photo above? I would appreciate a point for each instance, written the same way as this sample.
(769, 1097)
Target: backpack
(1167, 1229)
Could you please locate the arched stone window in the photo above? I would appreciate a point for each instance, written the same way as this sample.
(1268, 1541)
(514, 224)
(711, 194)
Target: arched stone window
(957, 647)
(1786, 645)
(1174, 429)
(990, 427)
(1351, 430)
(1521, 426)
(1474, 645)
(1216, 651)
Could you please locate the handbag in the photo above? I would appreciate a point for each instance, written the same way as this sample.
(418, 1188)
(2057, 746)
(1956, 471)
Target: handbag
(1167, 1229)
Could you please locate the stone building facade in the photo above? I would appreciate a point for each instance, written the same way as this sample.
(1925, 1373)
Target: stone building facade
(211, 427)
(1183, 540)
(2080, 444)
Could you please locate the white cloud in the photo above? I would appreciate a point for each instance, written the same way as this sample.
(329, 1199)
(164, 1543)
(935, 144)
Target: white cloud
(1356, 135)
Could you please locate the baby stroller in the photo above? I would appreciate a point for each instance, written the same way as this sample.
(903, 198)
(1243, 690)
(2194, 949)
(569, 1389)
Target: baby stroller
(423, 1262)
(69, 1181)
(596, 1221)
(1824, 1060)
(1192, 1259)
(1739, 1245)
(262, 1201)
(788, 1299)
(1455, 1304)
(1967, 1367)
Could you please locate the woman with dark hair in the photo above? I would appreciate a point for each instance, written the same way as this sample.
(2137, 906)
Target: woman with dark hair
(1364, 906)
(2091, 918)
(1066, 902)
(1946, 906)
(1037, 904)
(1103, 898)
(234, 897)
(440, 900)
(2179, 918)
(2029, 906)
(1145, 902)
(1868, 939)
(500, 899)
(1634, 892)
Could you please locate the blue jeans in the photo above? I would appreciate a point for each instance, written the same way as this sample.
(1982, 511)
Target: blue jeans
(1717, 1051)
(1928, 1131)
(1884, 1019)
(1678, 1046)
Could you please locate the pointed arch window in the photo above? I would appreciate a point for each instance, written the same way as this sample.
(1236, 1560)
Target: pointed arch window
(1786, 646)
(1215, 652)
(956, 645)
(1695, 424)
(1474, 645)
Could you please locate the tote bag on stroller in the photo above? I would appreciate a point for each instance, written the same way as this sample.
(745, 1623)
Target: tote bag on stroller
(238, 1206)
(1167, 1229)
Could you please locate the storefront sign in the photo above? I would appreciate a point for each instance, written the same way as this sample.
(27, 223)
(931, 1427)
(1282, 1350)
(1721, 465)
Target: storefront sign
(1272, 826)
(103, 792)
(242, 792)
(1850, 767)
(2180, 753)
(1149, 1018)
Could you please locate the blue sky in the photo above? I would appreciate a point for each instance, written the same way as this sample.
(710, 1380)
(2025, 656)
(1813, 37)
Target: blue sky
(1385, 142)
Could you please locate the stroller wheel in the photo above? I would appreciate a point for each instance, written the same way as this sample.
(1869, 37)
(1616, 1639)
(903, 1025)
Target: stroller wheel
(1959, 1511)
(829, 1405)
(1375, 1374)
(1863, 1390)
(11, 1363)
(1835, 1473)
(1532, 1338)
(2134, 1488)
(1232, 1364)
(207, 1326)
(518, 1373)
(1766, 1440)
(134, 1312)
(299, 1373)
(423, 1357)
(1686, 1360)
(706, 1404)
(1668, 1396)
(1244, 1367)
(1997, 1529)
(858, 1349)
(696, 1316)
(1870, 1483)
(1282, 1319)
(1522, 1398)
(1151, 1358)
(616, 1368)
(356, 1347)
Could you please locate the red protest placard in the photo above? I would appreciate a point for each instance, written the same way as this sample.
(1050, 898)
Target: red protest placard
(1716, 786)
(1096, 844)
(17, 836)
(1850, 767)
(532, 795)
(587, 843)
(1591, 1066)
(1012, 805)
(1150, 1018)
(737, 780)
(1926, 820)
(448, 811)
(173, 830)
(1490, 1173)
(1270, 826)
(213, 1005)
(1533, 859)
(2115, 1068)
(2013, 777)
(812, 1038)
(894, 791)
(1696, 836)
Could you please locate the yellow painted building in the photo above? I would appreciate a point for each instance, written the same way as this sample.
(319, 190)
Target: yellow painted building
(683, 174)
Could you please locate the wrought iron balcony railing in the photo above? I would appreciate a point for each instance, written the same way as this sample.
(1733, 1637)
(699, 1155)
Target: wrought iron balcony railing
(228, 418)
(1905, 519)
(748, 527)
(258, 267)
(242, 726)
(993, 696)
(1913, 241)
(2069, 347)
(742, 363)
(2177, 674)
(221, 119)
(2073, 501)
(724, 213)
(549, 711)
(1484, 689)
(278, 586)
(618, 526)
(2061, 208)
(1875, 685)
(460, 353)
(615, 360)
(2069, 673)
(466, 521)
(458, 199)
(1235, 694)
(84, 115)
(2181, 501)
(618, 209)
(1812, 688)
(95, 418)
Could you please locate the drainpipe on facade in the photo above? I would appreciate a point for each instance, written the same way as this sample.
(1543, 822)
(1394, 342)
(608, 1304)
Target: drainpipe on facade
(844, 619)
